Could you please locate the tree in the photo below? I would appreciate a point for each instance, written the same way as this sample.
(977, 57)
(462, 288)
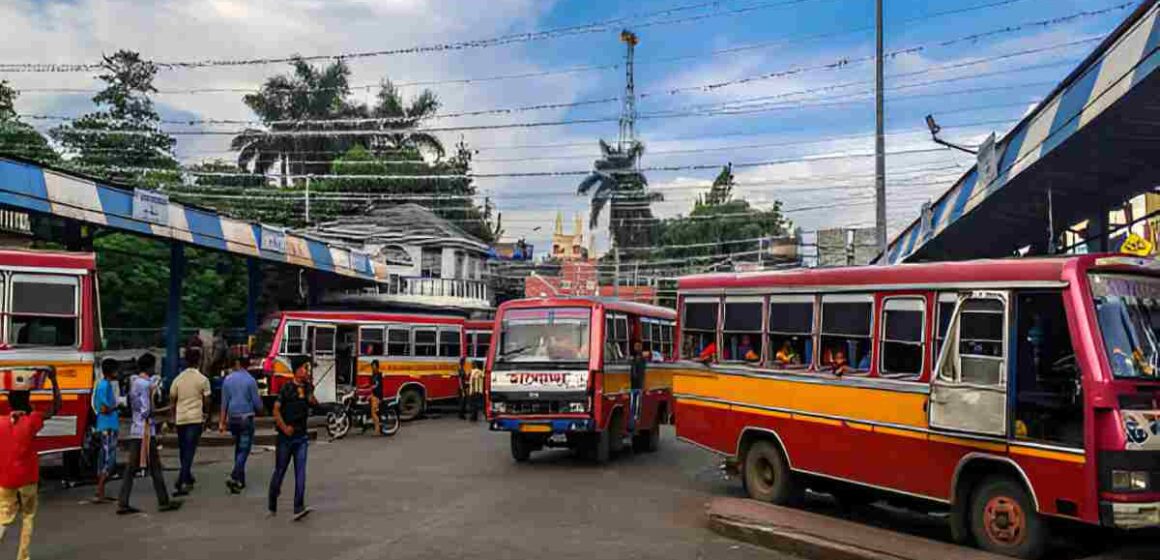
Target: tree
(720, 225)
(400, 117)
(621, 186)
(18, 138)
(123, 136)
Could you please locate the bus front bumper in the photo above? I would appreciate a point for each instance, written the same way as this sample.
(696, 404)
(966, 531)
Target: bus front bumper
(541, 425)
(1131, 515)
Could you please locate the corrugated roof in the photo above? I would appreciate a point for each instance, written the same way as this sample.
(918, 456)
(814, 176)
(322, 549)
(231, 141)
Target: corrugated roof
(402, 224)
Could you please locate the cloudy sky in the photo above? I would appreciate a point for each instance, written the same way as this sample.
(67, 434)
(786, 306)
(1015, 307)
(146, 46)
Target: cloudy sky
(753, 82)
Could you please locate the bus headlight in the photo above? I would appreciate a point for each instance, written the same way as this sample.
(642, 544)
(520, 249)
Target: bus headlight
(578, 406)
(500, 407)
(1130, 481)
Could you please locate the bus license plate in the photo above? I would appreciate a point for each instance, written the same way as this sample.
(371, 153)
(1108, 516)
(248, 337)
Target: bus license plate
(541, 428)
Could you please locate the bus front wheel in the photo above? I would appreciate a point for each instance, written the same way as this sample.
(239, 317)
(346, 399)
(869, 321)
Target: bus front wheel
(1004, 521)
(410, 404)
(767, 476)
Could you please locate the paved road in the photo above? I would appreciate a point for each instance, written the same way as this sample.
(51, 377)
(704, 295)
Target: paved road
(440, 489)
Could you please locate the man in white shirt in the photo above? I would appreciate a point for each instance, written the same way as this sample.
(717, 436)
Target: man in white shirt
(190, 396)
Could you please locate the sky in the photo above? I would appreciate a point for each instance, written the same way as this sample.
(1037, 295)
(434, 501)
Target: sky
(780, 88)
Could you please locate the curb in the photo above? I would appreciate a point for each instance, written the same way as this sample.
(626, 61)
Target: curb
(792, 542)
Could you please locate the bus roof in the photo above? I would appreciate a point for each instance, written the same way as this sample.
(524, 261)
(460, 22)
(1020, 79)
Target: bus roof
(371, 317)
(479, 324)
(1044, 270)
(585, 301)
(48, 259)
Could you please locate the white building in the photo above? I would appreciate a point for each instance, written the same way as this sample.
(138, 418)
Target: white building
(432, 263)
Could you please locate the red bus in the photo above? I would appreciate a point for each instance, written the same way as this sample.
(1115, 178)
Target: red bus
(477, 338)
(1017, 394)
(418, 354)
(559, 375)
(48, 307)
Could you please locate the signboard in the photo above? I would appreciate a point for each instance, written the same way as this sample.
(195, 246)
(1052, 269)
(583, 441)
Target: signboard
(273, 240)
(151, 206)
(361, 262)
(539, 381)
(988, 162)
(1136, 245)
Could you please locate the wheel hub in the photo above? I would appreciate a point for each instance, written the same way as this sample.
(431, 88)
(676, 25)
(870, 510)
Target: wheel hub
(1004, 520)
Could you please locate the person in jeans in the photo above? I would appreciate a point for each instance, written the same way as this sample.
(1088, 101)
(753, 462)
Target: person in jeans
(190, 393)
(463, 388)
(240, 403)
(475, 389)
(20, 464)
(143, 439)
(290, 413)
(108, 425)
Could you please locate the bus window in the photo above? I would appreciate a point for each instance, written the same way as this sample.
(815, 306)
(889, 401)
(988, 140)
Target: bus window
(791, 330)
(944, 311)
(482, 344)
(981, 342)
(616, 338)
(449, 343)
(295, 343)
(398, 341)
(1048, 399)
(901, 346)
(426, 343)
(371, 341)
(699, 328)
(846, 333)
(742, 330)
(666, 331)
(544, 335)
(44, 311)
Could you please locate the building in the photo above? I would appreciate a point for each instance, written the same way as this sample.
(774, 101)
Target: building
(583, 279)
(432, 264)
(569, 246)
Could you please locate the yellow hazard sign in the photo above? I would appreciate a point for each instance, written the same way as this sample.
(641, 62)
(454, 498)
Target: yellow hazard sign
(1136, 245)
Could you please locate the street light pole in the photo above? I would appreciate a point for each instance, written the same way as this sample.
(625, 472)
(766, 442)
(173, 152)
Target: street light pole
(879, 139)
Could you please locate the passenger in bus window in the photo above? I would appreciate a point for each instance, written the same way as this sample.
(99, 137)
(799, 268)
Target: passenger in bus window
(708, 353)
(787, 355)
(747, 351)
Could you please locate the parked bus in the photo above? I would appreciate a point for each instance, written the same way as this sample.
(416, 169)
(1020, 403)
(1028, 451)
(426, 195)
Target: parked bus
(48, 306)
(477, 337)
(418, 355)
(559, 375)
(1017, 394)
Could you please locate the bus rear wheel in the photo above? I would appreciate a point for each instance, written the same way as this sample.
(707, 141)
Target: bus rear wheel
(410, 404)
(521, 447)
(1004, 520)
(767, 476)
(647, 441)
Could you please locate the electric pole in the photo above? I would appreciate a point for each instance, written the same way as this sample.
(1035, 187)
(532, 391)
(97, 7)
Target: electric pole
(879, 140)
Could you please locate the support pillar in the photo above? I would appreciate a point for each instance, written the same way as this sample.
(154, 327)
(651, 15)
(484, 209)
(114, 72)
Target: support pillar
(254, 274)
(1098, 227)
(173, 310)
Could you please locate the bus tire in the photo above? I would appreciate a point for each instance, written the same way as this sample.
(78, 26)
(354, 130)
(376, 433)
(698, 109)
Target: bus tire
(615, 433)
(521, 447)
(647, 441)
(767, 475)
(1004, 521)
(410, 404)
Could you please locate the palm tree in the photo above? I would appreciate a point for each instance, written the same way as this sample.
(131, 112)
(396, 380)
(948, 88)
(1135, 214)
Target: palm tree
(620, 185)
(400, 117)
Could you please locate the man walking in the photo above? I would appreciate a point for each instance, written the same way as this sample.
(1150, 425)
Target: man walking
(189, 395)
(19, 462)
(143, 439)
(240, 403)
(376, 396)
(290, 413)
(108, 426)
(475, 388)
(463, 397)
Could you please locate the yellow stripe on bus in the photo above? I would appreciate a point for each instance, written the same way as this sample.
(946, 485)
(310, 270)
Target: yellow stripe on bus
(1047, 454)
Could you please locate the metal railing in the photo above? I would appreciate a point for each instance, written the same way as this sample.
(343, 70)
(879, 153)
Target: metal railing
(413, 286)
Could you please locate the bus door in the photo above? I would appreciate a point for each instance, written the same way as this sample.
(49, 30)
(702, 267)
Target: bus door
(322, 346)
(969, 391)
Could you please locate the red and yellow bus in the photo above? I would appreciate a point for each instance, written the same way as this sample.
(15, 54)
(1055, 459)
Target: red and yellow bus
(1017, 393)
(477, 339)
(418, 355)
(48, 310)
(559, 375)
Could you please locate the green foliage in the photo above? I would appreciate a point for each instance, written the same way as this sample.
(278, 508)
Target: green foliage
(18, 138)
(621, 186)
(721, 225)
(124, 133)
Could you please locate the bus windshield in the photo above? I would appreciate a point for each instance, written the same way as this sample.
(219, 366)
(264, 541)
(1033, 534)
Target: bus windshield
(1128, 311)
(545, 335)
(265, 337)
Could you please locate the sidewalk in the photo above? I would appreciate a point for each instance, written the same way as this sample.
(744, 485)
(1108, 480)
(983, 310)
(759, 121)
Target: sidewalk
(821, 537)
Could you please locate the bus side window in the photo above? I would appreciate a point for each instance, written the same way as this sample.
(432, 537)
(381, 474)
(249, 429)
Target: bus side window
(371, 341)
(791, 331)
(616, 338)
(1048, 396)
(742, 330)
(426, 343)
(981, 342)
(482, 344)
(449, 343)
(845, 336)
(944, 312)
(699, 329)
(398, 341)
(901, 347)
(44, 311)
(295, 339)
